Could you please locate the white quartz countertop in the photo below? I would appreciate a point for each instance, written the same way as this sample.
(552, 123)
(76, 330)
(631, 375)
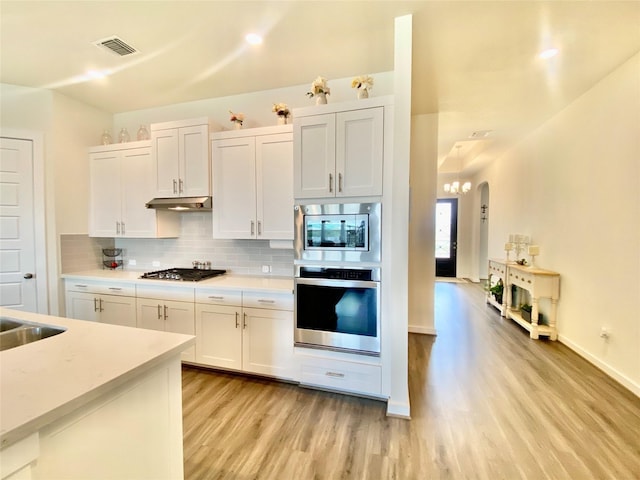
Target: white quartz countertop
(227, 281)
(47, 379)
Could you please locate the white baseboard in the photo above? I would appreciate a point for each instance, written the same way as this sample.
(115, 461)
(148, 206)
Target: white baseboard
(612, 372)
(422, 330)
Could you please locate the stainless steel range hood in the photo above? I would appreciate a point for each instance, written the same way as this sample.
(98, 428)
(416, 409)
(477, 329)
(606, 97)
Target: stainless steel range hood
(182, 204)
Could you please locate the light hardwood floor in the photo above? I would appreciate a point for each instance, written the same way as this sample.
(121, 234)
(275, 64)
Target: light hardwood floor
(486, 403)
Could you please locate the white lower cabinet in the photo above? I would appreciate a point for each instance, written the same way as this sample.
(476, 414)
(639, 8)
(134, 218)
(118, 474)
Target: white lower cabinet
(85, 301)
(168, 316)
(239, 337)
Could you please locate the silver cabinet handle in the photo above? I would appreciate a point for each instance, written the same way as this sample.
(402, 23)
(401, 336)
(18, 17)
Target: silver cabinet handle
(261, 300)
(252, 227)
(95, 304)
(122, 227)
(334, 374)
(159, 312)
(80, 285)
(175, 186)
(180, 186)
(339, 182)
(101, 309)
(259, 227)
(214, 297)
(165, 312)
(115, 288)
(237, 322)
(118, 228)
(245, 321)
(330, 183)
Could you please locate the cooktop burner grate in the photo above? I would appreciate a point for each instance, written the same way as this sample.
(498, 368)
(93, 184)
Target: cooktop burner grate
(183, 274)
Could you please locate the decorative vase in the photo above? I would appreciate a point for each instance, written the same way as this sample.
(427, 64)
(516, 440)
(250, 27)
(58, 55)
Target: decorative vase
(282, 120)
(363, 93)
(106, 138)
(321, 98)
(143, 133)
(237, 125)
(124, 136)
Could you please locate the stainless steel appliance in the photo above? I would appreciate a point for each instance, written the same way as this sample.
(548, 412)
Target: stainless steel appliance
(338, 308)
(336, 233)
(183, 274)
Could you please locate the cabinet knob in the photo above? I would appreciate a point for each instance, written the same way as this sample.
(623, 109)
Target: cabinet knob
(28, 275)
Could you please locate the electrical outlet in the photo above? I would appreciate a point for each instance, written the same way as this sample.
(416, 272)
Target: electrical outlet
(155, 263)
(266, 268)
(132, 262)
(605, 333)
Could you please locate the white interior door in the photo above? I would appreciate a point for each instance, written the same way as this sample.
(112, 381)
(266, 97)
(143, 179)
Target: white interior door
(17, 238)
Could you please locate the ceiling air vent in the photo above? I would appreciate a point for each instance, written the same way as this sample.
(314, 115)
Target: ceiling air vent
(116, 45)
(480, 134)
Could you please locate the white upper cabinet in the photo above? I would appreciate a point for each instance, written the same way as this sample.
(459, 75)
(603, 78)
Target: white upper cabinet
(180, 153)
(121, 182)
(339, 154)
(253, 184)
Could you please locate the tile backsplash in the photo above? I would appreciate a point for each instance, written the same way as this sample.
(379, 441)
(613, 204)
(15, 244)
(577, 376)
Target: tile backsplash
(81, 252)
(245, 257)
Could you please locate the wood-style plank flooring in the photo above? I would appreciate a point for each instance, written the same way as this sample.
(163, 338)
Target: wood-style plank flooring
(486, 403)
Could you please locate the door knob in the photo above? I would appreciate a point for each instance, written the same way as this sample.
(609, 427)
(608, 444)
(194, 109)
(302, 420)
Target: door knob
(28, 275)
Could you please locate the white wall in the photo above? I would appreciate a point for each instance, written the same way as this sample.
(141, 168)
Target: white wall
(67, 128)
(255, 105)
(577, 194)
(424, 158)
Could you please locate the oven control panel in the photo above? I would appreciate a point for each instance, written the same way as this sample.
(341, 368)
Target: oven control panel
(362, 274)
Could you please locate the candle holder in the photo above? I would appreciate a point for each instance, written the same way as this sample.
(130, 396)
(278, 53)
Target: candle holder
(520, 242)
(533, 251)
(507, 248)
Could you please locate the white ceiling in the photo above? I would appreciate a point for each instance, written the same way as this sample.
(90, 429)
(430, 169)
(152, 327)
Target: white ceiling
(474, 62)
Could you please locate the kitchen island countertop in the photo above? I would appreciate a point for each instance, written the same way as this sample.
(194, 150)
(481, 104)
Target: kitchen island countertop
(42, 381)
(227, 281)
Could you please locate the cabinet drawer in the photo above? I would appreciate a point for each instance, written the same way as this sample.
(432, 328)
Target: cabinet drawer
(103, 288)
(521, 279)
(182, 294)
(271, 301)
(218, 297)
(342, 375)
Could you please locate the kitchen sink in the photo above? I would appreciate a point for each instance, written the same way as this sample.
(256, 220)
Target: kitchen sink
(14, 333)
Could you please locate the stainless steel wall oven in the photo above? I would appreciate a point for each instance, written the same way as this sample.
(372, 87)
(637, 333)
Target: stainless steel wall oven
(336, 233)
(338, 308)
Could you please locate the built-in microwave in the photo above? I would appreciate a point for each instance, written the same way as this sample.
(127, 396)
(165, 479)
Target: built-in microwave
(344, 232)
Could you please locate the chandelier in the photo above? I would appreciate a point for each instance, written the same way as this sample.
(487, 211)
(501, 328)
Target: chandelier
(454, 187)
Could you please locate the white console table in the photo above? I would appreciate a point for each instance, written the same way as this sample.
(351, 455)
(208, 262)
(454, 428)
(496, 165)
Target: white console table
(539, 283)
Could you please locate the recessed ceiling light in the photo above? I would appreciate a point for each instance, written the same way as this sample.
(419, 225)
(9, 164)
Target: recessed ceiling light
(548, 53)
(253, 39)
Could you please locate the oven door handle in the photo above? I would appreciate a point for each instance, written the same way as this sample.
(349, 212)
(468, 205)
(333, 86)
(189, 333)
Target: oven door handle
(327, 282)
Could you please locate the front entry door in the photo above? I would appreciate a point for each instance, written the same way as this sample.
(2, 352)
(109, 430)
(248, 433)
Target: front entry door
(446, 237)
(17, 236)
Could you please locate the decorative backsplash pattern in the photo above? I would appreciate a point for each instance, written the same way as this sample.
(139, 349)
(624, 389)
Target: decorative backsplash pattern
(244, 257)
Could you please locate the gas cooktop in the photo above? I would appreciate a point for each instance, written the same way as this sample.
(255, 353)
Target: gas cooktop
(183, 274)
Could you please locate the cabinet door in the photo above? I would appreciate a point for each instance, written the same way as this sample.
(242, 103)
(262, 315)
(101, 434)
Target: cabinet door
(137, 189)
(234, 188)
(150, 314)
(104, 194)
(194, 161)
(219, 336)
(82, 306)
(359, 152)
(314, 152)
(274, 186)
(165, 154)
(118, 310)
(267, 345)
(179, 317)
